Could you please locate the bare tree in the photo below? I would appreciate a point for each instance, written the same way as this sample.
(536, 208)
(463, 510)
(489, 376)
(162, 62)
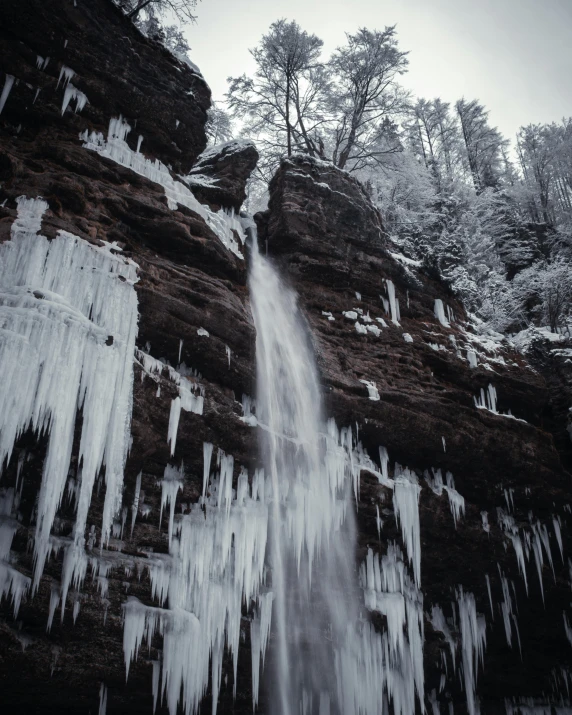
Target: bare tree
(281, 103)
(365, 96)
(181, 9)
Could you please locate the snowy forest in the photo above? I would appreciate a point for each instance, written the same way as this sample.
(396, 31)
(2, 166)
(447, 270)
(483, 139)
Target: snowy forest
(490, 215)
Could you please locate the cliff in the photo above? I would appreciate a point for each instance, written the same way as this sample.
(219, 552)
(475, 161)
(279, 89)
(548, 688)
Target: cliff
(399, 359)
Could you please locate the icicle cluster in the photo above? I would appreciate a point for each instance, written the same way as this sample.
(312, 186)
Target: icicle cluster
(68, 322)
(216, 565)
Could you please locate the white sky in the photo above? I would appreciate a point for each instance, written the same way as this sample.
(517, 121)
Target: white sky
(515, 56)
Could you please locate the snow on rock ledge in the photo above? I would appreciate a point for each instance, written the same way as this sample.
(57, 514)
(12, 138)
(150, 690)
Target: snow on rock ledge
(225, 225)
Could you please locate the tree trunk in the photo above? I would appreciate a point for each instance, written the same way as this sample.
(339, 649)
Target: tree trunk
(142, 5)
(288, 127)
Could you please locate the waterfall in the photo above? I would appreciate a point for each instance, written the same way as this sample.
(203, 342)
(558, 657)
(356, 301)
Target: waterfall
(312, 532)
(328, 658)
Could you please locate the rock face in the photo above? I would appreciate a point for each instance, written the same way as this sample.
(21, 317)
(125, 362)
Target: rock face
(194, 317)
(327, 239)
(220, 174)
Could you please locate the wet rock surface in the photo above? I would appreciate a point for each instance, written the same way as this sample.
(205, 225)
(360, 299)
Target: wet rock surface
(194, 310)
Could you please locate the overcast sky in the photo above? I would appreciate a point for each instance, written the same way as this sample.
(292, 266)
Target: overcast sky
(515, 56)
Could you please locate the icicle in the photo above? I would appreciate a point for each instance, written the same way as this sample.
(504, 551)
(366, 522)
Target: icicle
(67, 73)
(567, 628)
(135, 507)
(473, 638)
(440, 313)
(8, 83)
(558, 534)
(456, 501)
(172, 483)
(102, 700)
(490, 596)
(70, 93)
(393, 303)
(378, 521)
(406, 506)
(54, 601)
(440, 624)
(155, 682)
(68, 321)
(207, 456)
(188, 401)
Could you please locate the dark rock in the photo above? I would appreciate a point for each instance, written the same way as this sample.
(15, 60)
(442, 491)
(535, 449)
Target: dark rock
(219, 177)
(327, 239)
(119, 70)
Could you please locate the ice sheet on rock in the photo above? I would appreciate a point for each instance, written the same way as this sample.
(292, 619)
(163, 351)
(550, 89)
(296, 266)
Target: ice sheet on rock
(350, 314)
(68, 321)
(439, 311)
(371, 390)
(224, 224)
(393, 303)
(407, 338)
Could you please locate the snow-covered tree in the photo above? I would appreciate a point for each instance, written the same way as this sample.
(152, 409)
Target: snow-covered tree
(365, 98)
(483, 144)
(281, 105)
(219, 124)
(545, 289)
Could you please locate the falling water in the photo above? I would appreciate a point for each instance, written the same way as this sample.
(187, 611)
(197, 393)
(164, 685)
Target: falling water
(329, 659)
(312, 532)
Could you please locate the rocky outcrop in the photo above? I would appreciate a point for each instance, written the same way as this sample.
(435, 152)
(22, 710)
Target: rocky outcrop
(219, 176)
